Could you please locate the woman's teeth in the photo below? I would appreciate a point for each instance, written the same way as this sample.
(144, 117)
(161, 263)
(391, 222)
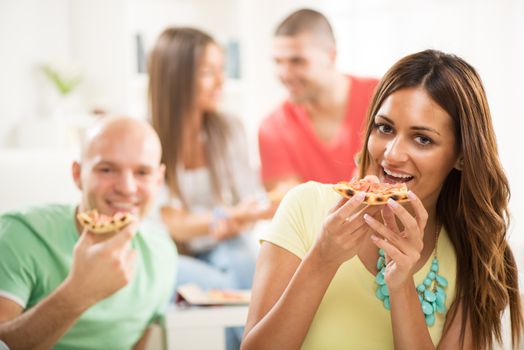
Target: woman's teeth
(397, 176)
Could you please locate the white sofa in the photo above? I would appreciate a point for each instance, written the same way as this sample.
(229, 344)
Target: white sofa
(31, 176)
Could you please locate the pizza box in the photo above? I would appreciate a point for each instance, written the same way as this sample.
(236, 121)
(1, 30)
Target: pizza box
(194, 295)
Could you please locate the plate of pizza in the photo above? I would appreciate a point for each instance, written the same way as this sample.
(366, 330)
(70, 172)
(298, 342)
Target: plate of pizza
(194, 295)
(101, 224)
(377, 193)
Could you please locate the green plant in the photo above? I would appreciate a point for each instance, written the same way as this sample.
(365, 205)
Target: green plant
(64, 81)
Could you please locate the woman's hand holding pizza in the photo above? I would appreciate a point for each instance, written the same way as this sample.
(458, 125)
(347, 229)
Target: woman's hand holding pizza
(402, 247)
(343, 231)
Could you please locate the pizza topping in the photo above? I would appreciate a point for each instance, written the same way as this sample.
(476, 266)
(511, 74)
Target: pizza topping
(376, 192)
(100, 223)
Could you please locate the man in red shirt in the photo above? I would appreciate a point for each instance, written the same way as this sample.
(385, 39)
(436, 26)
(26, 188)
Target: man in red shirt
(315, 134)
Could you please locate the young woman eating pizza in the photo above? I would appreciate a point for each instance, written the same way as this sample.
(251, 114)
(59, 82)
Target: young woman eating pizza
(432, 272)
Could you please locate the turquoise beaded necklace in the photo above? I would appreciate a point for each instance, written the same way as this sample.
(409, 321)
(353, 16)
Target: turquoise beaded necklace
(431, 292)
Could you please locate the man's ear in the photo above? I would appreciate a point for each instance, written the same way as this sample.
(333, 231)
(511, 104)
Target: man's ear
(76, 170)
(161, 174)
(333, 54)
(459, 164)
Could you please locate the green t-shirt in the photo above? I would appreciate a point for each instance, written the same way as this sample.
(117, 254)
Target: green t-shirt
(36, 251)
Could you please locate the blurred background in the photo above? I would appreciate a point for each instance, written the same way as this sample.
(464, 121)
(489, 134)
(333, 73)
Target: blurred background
(100, 49)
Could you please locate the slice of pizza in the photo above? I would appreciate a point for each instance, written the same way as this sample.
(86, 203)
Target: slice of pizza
(376, 192)
(100, 223)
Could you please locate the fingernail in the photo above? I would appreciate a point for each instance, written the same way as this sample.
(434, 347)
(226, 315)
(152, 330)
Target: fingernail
(361, 195)
(367, 217)
(392, 203)
(411, 195)
(374, 238)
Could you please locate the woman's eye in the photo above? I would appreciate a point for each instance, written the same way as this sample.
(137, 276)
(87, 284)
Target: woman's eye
(424, 140)
(384, 128)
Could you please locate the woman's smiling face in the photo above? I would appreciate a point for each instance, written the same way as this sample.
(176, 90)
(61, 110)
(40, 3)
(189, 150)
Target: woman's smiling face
(413, 141)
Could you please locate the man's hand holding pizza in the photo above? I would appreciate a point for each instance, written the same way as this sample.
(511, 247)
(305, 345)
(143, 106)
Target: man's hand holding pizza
(102, 264)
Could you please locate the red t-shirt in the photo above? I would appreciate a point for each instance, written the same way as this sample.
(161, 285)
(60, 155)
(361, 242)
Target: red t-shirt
(289, 145)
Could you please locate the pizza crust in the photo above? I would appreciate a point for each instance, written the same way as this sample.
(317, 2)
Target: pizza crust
(376, 193)
(102, 224)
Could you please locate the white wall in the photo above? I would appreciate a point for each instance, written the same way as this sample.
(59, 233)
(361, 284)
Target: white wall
(371, 36)
(99, 47)
(31, 32)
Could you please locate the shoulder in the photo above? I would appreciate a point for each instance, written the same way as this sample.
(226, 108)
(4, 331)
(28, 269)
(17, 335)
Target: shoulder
(233, 129)
(158, 255)
(236, 126)
(300, 216)
(35, 219)
(282, 125)
(232, 121)
(310, 196)
(369, 82)
(157, 240)
(363, 85)
(278, 117)
(310, 189)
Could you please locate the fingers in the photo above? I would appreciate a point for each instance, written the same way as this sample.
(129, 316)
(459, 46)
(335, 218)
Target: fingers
(350, 206)
(370, 209)
(353, 239)
(421, 214)
(85, 240)
(372, 178)
(359, 216)
(389, 218)
(391, 236)
(121, 238)
(339, 204)
(226, 228)
(392, 252)
(410, 223)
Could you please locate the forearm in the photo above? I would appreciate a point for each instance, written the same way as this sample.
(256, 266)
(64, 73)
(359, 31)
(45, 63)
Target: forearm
(297, 306)
(409, 326)
(142, 342)
(184, 227)
(43, 325)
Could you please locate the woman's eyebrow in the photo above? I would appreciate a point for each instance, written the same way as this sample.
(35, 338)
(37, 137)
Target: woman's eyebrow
(418, 128)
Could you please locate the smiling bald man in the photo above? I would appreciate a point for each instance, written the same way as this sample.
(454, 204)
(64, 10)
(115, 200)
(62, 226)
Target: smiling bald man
(62, 286)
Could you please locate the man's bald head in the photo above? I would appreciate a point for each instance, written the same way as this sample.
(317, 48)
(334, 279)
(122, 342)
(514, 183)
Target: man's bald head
(120, 130)
(120, 168)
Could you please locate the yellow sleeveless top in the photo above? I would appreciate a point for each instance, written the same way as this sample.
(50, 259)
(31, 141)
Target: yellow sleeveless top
(350, 316)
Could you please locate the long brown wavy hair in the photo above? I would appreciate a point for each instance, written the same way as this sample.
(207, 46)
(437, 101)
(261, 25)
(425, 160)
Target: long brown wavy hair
(473, 202)
(173, 69)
